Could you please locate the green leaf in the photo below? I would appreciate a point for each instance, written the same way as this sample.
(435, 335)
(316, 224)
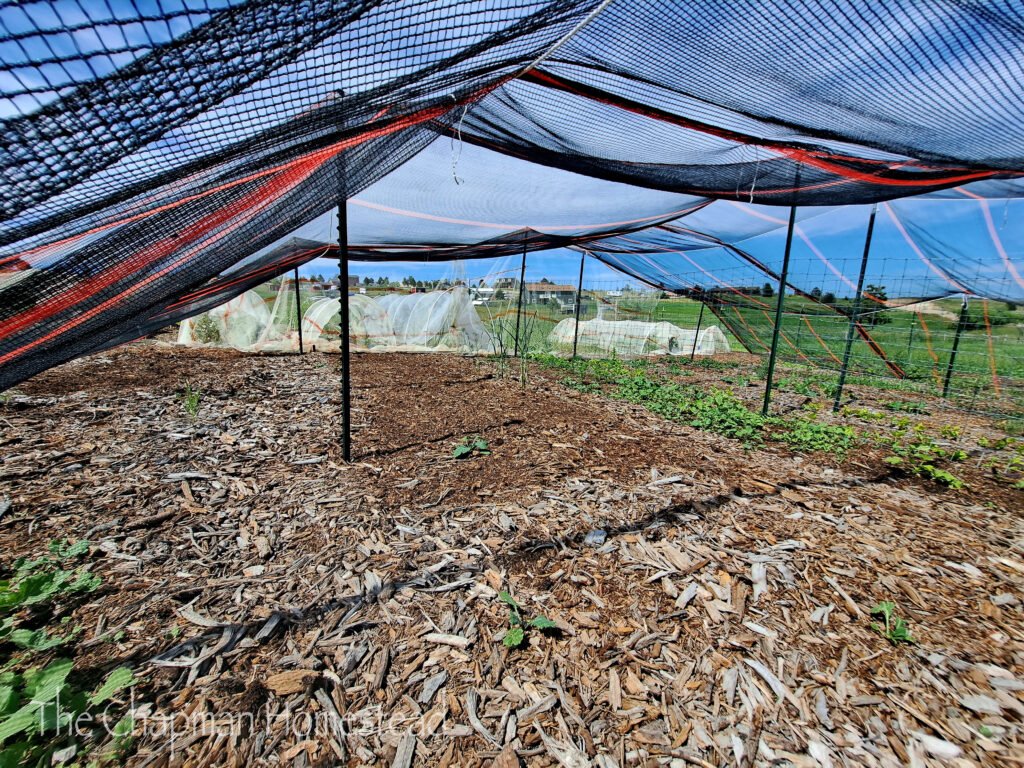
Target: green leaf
(43, 686)
(117, 680)
(25, 719)
(514, 637)
(36, 640)
(893, 460)
(884, 609)
(461, 450)
(12, 756)
(542, 622)
(8, 700)
(505, 597)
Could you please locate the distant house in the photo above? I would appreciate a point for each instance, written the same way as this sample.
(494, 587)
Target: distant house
(538, 292)
(353, 281)
(506, 284)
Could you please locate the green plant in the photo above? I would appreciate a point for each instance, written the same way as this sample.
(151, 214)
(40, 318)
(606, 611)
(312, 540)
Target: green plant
(950, 432)
(896, 630)
(919, 455)
(471, 446)
(516, 634)
(805, 435)
(205, 330)
(906, 407)
(190, 400)
(43, 709)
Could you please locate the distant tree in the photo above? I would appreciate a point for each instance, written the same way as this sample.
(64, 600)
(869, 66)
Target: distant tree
(382, 281)
(419, 283)
(875, 317)
(1011, 306)
(545, 281)
(367, 280)
(816, 294)
(828, 298)
(767, 290)
(499, 294)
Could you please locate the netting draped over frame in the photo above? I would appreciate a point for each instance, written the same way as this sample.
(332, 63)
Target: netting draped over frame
(158, 160)
(636, 337)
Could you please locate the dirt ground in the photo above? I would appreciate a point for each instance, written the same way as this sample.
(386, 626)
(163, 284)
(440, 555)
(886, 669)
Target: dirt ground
(283, 607)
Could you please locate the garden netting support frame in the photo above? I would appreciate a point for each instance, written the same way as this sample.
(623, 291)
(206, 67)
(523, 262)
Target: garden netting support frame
(855, 314)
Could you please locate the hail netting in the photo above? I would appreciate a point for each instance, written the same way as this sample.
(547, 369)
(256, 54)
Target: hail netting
(130, 189)
(158, 162)
(875, 100)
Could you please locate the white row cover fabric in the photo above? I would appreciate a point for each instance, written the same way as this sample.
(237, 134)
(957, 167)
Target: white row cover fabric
(440, 321)
(239, 323)
(635, 337)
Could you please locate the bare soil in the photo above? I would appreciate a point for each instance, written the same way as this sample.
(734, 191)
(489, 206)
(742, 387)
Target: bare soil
(285, 607)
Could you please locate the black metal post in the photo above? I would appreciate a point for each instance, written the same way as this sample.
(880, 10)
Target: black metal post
(961, 322)
(519, 303)
(579, 299)
(696, 334)
(856, 309)
(778, 304)
(298, 308)
(346, 367)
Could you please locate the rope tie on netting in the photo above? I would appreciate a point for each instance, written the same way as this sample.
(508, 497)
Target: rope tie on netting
(457, 155)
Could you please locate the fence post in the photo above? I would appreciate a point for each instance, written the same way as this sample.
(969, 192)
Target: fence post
(519, 302)
(579, 298)
(856, 310)
(696, 334)
(298, 308)
(346, 372)
(778, 304)
(961, 322)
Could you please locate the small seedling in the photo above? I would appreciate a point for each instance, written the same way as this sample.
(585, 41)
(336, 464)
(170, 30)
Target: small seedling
(516, 634)
(470, 446)
(190, 400)
(896, 630)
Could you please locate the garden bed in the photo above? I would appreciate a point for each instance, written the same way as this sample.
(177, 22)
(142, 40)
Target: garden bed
(282, 607)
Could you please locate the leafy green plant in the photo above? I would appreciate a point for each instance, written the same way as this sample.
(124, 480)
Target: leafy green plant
(516, 634)
(919, 455)
(906, 407)
(896, 630)
(471, 446)
(205, 330)
(805, 435)
(42, 707)
(190, 400)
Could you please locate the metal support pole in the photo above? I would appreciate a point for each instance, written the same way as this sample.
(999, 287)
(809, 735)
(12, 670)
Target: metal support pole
(856, 309)
(519, 303)
(579, 299)
(298, 308)
(346, 367)
(696, 334)
(778, 304)
(961, 322)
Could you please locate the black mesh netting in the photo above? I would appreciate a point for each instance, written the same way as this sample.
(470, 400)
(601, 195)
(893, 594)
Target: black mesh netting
(158, 158)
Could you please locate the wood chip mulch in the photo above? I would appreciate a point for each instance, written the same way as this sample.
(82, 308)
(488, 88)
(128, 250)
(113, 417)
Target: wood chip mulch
(711, 602)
